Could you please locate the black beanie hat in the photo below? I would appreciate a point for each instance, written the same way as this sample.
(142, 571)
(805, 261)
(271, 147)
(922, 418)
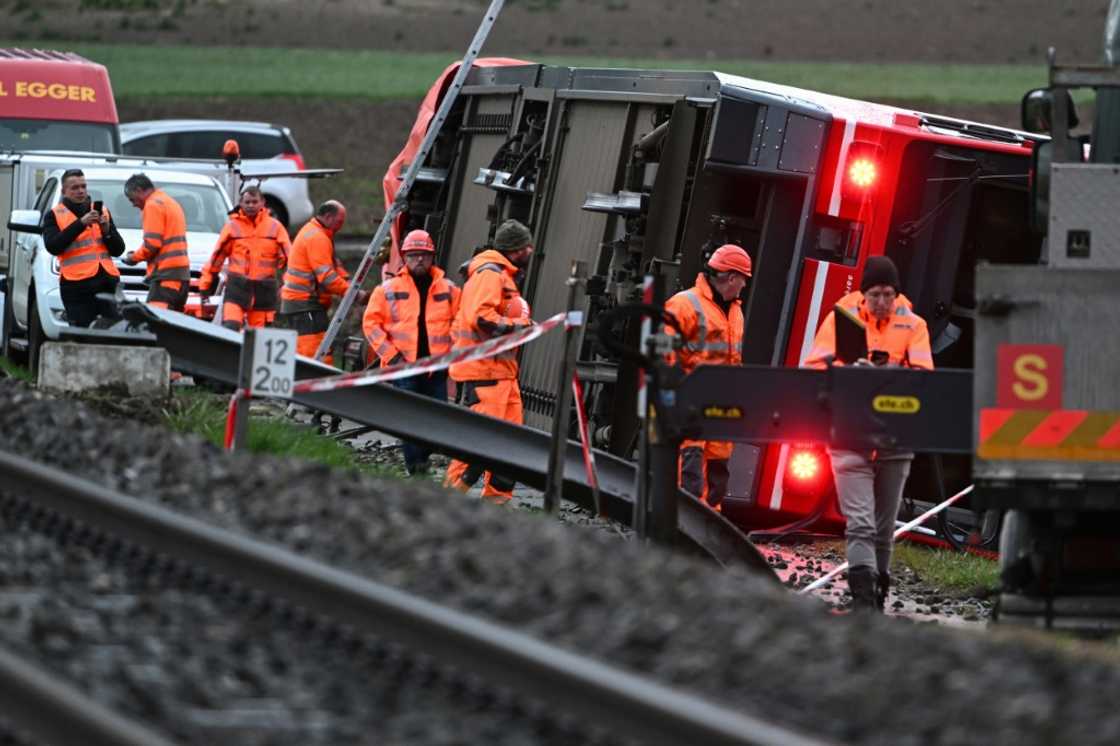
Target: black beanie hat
(512, 236)
(879, 270)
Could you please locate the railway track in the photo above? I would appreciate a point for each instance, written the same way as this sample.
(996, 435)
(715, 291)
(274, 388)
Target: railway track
(547, 687)
(170, 643)
(521, 453)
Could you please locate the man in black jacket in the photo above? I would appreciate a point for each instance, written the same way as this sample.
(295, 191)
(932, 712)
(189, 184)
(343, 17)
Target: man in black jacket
(83, 242)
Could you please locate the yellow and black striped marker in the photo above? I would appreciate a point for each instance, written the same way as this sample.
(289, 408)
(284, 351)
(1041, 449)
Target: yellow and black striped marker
(1051, 435)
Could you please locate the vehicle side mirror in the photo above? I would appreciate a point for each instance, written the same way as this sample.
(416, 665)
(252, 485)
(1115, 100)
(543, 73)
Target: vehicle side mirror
(1036, 111)
(25, 221)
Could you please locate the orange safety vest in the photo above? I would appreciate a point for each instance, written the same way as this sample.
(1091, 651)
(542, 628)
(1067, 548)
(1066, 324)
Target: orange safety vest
(314, 273)
(490, 307)
(711, 337)
(165, 239)
(393, 315)
(903, 336)
(81, 258)
(256, 247)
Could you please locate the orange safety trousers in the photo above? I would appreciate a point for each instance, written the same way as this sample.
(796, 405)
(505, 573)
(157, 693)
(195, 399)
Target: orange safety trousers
(307, 344)
(500, 399)
(702, 469)
(234, 314)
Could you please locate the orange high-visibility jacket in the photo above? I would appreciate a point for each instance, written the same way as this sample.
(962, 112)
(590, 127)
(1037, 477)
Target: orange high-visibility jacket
(393, 315)
(490, 307)
(711, 337)
(903, 336)
(165, 239)
(314, 273)
(81, 259)
(256, 247)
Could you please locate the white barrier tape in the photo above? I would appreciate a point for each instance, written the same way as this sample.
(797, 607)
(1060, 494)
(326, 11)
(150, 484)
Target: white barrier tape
(480, 351)
(904, 528)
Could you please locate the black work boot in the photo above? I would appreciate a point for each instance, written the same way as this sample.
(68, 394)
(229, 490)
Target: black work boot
(862, 582)
(883, 589)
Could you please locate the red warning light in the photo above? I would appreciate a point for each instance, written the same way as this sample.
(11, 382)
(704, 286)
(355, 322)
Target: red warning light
(862, 172)
(804, 465)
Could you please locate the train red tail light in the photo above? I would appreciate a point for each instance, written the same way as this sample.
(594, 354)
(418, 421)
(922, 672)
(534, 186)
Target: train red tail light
(862, 173)
(804, 466)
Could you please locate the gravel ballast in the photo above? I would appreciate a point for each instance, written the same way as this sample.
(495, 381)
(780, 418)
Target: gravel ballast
(729, 636)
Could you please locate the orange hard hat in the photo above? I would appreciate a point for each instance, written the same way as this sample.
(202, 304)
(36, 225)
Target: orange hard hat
(418, 240)
(731, 258)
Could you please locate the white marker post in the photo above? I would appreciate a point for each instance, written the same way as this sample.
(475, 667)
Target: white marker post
(268, 368)
(274, 362)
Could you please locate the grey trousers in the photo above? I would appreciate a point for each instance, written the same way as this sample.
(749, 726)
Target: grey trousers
(870, 491)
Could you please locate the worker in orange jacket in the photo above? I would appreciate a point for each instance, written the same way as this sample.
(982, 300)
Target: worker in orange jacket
(710, 315)
(164, 243)
(409, 318)
(870, 484)
(84, 240)
(313, 276)
(256, 245)
(490, 307)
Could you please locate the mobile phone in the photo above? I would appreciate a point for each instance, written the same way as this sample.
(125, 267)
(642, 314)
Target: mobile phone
(97, 205)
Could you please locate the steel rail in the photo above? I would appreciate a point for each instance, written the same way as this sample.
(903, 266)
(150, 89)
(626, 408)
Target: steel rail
(575, 685)
(37, 704)
(202, 349)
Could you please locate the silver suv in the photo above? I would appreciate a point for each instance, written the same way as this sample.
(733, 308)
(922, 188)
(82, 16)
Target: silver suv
(264, 148)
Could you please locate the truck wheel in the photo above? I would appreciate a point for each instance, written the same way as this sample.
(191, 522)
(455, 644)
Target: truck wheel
(35, 336)
(1015, 567)
(8, 350)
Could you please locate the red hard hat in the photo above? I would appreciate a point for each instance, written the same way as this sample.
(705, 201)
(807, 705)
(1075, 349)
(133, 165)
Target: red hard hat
(731, 258)
(417, 240)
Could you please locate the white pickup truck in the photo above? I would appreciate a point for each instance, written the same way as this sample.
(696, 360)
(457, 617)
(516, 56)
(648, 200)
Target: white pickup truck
(33, 310)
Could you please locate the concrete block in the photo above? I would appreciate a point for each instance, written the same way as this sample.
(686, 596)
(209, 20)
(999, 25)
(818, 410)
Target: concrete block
(67, 366)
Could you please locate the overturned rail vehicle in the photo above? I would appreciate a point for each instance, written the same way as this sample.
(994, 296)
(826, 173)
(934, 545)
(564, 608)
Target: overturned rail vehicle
(637, 171)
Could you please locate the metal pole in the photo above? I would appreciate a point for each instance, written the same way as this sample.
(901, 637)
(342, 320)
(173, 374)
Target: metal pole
(244, 381)
(401, 199)
(641, 489)
(554, 482)
(663, 453)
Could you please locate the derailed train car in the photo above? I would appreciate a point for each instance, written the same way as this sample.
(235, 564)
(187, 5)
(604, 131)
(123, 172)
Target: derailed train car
(638, 171)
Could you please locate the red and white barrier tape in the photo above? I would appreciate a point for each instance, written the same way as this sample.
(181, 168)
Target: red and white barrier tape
(235, 401)
(585, 442)
(480, 351)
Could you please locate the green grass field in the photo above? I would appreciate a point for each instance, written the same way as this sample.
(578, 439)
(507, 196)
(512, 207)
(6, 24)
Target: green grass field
(143, 71)
(202, 413)
(953, 572)
(15, 370)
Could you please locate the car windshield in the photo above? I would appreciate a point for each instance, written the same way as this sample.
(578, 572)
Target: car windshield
(38, 134)
(202, 204)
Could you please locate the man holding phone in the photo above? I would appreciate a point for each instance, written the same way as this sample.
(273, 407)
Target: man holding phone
(869, 484)
(84, 238)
